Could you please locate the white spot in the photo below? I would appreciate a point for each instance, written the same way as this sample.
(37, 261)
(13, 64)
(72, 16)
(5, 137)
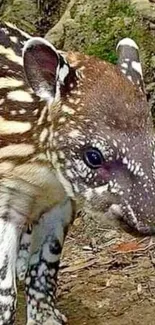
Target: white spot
(5, 30)
(13, 113)
(132, 168)
(67, 109)
(115, 143)
(129, 165)
(1, 101)
(137, 169)
(124, 71)
(141, 173)
(124, 65)
(71, 100)
(28, 280)
(68, 163)
(35, 112)
(20, 95)
(61, 154)
(137, 67)
(111, 183)
(22, 111)
(77, 101)
(63, 72)
(127, 41)
(12, 127)
(74, 133)
(129, 78)
(62, 120)
(14, 39)
(69, 173)
(101, 189)
(125, 161)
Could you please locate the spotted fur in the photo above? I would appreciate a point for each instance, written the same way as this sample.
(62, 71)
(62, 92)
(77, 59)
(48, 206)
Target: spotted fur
(53, 107)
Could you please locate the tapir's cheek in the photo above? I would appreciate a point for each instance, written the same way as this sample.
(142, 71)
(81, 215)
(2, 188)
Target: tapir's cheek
(104, 174)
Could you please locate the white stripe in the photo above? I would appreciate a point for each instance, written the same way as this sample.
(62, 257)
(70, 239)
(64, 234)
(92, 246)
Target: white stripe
(11, 55)
(13, 127)
(10, 82)
(20, 96)
(20, 150)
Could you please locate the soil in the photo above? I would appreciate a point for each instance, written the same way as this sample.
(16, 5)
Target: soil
(107, 276)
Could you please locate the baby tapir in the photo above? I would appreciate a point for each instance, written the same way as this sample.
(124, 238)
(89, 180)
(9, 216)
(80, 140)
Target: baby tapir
(72, 128)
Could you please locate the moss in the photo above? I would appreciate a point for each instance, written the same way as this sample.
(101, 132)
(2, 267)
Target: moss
(119, 20)
(35, 17)
(73, 11)
(22, 13)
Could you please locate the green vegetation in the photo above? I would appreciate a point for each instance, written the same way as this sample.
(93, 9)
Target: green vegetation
(119, 20)
(22, 13)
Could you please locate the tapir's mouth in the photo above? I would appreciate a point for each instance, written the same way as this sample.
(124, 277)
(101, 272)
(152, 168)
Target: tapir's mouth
(130, 218)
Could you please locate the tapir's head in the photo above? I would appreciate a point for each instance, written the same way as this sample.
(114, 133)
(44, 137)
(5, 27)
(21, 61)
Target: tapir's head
(101, 138)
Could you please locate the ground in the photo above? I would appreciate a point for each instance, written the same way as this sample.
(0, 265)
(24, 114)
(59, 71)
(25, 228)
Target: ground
(107, 276)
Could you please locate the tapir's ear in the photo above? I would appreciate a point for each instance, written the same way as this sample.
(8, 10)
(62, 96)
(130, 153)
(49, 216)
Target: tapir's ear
(129, 61)
(43, 67)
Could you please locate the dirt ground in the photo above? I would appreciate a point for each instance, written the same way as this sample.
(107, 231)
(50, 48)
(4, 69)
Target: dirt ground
(107, 276)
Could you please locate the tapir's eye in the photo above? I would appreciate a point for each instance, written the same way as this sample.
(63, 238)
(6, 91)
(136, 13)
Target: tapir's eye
(93, 158)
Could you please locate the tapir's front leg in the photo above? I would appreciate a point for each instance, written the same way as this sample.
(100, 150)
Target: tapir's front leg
(9, 238)
(41, 280)
(24, 253)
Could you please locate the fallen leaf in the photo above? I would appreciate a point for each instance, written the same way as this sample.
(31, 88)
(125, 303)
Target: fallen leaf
(127, 247)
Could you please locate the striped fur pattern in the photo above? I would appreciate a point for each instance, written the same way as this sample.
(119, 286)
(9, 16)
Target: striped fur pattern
(73, 128)
(29, 189)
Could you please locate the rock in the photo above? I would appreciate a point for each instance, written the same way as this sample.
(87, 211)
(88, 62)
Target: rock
(71, 32)
(35, 17)
(56, 34)
(22, 13)
(150, 87)
(152, 62)
(146, 8)
(152, 26)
